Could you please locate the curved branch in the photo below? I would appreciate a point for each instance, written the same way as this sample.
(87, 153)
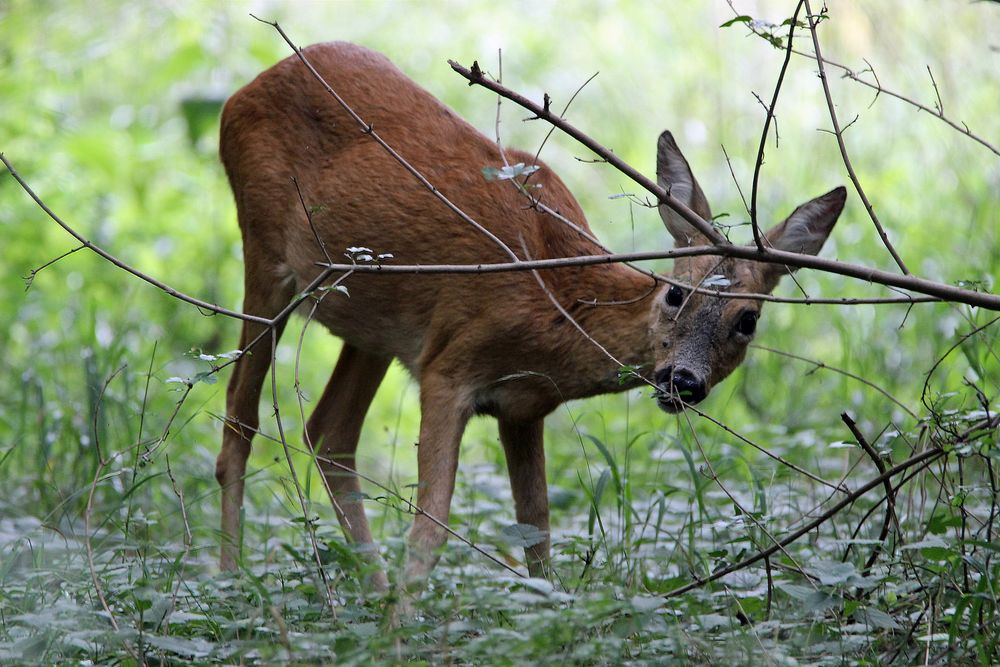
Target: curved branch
(86, 243)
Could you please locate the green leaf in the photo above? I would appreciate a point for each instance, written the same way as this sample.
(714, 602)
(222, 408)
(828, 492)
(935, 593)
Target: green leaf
(607, 457)
(812, 600)
(739, 19)
(208, 377)
(831, 573)
(876, 618)
(189, 648)
(595, 502)
(626, 373)
(522, 535)
(941, 522)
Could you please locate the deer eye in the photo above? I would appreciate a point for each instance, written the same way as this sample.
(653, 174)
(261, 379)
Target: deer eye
(747, 323)
(675, 296)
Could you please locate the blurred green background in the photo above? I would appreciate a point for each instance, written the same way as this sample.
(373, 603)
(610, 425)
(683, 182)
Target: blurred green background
(109, 111)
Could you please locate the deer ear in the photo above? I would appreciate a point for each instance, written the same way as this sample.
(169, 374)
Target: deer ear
(808, 227)
(674, 175)
(806, 230)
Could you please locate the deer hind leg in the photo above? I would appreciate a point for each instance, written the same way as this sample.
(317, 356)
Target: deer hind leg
(333, 431)
(242, 402)
(444, 412)
(524, 448)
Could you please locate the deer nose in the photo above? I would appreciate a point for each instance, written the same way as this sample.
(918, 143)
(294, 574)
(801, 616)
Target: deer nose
(679, 385)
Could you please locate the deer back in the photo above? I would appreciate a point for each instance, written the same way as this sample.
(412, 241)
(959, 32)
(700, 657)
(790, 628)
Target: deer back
(284, 125)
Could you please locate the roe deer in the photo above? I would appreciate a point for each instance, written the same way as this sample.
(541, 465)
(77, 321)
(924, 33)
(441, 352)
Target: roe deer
(489, 344)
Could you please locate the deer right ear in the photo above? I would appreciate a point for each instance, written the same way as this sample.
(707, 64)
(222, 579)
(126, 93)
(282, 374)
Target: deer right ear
(674, 175)
(805, 231)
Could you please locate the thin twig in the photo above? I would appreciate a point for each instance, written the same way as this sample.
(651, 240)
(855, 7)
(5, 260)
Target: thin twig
(890, 493)
(475, 76)
(308, 523)
(758, 241)
(309, 218)
(766, 452)
(937, 93)
(188, 538)
(102, 463)
(843, 148)
(823, 365)
(735, 180)
(30, 278)
(561, 115)
(929, 454)
(117, 262)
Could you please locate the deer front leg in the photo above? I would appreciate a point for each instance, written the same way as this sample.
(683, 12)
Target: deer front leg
(523, 444)
(242, 399)
(333, 431)
(444, 412)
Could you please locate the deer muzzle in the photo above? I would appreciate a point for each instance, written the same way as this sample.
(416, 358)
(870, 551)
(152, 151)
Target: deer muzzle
(678, 388)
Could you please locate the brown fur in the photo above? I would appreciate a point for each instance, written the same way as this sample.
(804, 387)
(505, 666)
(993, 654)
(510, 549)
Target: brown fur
(492, 343)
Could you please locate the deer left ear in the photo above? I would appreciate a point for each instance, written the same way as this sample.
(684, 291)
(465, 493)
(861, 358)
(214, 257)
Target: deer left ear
(806, 229)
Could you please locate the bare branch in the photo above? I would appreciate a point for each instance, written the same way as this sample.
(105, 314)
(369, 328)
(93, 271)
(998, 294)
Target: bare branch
(907, 282)
(924, 458)
(890, 493)
(475, 77)
(767, 125)
(843, 148)
(120, 264)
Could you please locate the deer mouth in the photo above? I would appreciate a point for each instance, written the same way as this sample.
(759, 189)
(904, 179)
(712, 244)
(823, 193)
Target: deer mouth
(676, 389)
(671, 403)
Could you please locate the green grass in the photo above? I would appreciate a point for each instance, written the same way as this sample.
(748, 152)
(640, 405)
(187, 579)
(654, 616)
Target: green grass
(110, 497)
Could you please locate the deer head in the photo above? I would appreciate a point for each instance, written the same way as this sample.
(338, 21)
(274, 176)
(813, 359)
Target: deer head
(700, 338)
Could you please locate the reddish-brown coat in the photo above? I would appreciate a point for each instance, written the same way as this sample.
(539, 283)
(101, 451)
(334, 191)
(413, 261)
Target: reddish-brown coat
(491, 343)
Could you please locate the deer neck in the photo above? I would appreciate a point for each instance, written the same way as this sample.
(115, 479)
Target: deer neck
(612, 304)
